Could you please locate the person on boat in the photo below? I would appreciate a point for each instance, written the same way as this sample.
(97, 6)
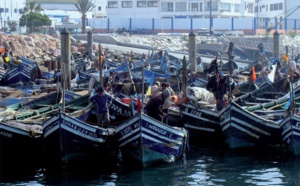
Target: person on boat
(57, 76)
(154, 106)
(293, 71)
(7, 59)
(167, 102)
(102, 100)
(155, 88)
(231, 65)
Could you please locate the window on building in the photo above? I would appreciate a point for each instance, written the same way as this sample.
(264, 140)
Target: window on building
(194, 7)
(201, 7)
(141, 4)
(180, 7)
(152, 3)
(266, 7)
(15, 10)
(99, 8)
(214, 6)
(127, 4)
(1, 10)
(236, 8)
(225, 7)
(6, 10)
(276, 6)
(250, 8)
(271, 7)
(280, 6)
(112, 4)
(167, 6)
(255, 9)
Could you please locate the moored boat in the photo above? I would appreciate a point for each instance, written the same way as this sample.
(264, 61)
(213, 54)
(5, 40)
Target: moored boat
(20, 142)
(242, 128)
(68, 139)
(146, 141)
(290, 132)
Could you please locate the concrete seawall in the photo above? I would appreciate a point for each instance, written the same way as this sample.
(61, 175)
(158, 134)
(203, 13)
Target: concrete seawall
(108, 39)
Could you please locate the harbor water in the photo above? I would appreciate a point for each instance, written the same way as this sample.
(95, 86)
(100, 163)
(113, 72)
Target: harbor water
(200, 166)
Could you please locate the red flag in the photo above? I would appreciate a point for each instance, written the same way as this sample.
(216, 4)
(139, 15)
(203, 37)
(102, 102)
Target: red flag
(138, 104)
(253, 76)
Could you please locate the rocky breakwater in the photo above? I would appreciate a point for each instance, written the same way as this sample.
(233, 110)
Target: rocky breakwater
(175, 43)
(38, 45)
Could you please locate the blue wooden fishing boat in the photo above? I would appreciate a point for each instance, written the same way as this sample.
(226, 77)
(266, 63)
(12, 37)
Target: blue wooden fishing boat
(146, 141)
(201, 121)
(19, 142)
(44, 101)
(20, 73)
(24, 128)
(242, 128)
(69, 139)
(290, 133)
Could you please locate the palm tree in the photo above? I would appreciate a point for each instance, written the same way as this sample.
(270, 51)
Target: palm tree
(84, 6)
(33, 7)
(30, 8)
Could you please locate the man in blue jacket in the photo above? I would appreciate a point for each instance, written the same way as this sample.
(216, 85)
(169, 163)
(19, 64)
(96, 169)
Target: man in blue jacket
(102, 100)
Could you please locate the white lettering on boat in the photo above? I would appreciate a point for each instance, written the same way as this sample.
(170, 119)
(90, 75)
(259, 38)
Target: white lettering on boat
(156, 129)
(6, 134)
(49, 127)
(126, 130)
(129, 129)
(118, 110)
(195, 112)
(79, 129)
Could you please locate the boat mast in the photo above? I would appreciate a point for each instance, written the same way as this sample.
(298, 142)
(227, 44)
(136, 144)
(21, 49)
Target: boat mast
(100, 65)
(65, 63)
(184, 76)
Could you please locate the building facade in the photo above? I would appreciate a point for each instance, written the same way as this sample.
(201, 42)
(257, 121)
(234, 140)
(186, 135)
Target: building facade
(59, 7)
(285, 11)
(180, 8)
(10, 10)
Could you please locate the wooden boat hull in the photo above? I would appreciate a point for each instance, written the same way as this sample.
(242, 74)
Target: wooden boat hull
(19, 142)
(290, 132)
(242, 128)
(202, 123)
(146, 141)
(19, 74)
(68, 139)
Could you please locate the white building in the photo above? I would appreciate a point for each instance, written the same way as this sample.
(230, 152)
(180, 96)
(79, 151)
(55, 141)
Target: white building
(68, 8)
(10, 10)
(283, 10)
(180, 8)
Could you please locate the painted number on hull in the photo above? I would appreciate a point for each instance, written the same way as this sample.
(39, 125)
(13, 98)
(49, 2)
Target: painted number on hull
(196, 113)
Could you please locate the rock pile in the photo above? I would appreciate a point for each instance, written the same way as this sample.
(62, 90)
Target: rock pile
(172, 42)
(39, 44)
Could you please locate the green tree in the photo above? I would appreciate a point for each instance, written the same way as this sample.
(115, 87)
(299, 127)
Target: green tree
(33, 18)
(12, 25)
(84, 6)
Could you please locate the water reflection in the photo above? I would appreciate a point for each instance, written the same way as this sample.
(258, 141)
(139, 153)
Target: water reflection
(200, 167)
(270, 176)
(244, 169)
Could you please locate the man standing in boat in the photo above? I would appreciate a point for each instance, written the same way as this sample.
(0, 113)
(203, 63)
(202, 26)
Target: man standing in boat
(154, 105)
(102, 100)
(167, 103)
